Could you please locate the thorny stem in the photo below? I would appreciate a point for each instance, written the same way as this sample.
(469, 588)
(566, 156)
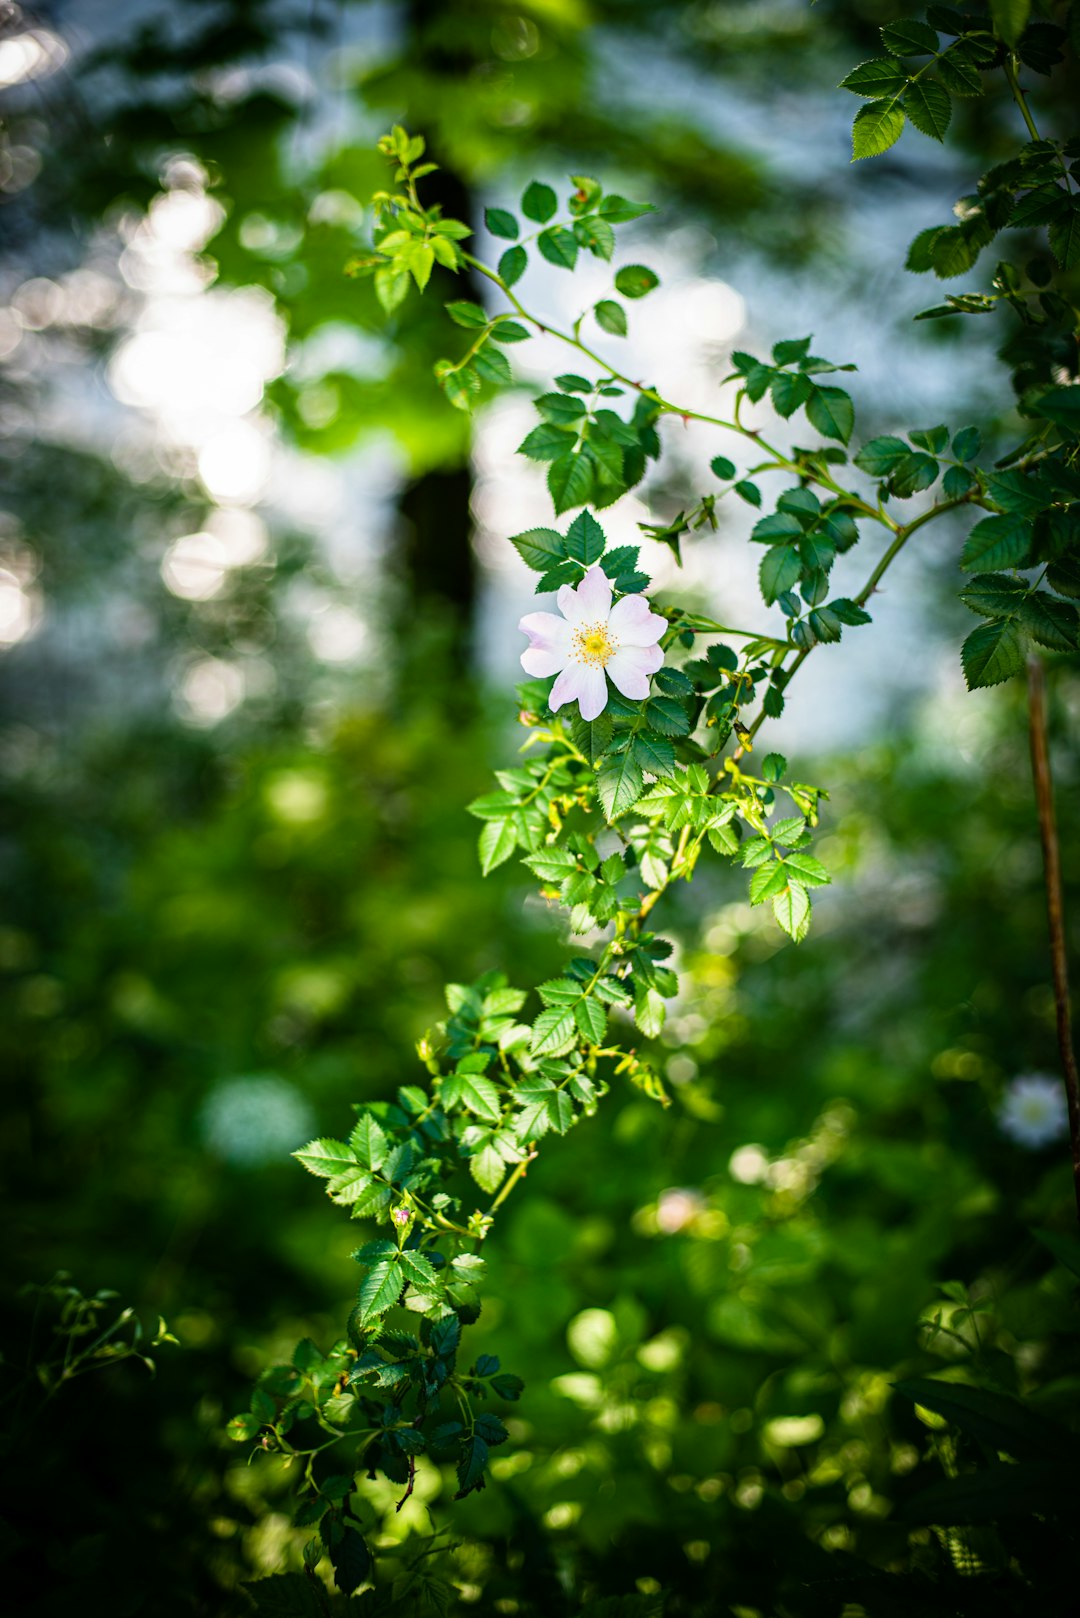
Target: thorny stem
(1055, 909)
(1019, 97)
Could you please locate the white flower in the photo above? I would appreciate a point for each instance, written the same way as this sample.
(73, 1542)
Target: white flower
(591, 639)
(1034, 1111)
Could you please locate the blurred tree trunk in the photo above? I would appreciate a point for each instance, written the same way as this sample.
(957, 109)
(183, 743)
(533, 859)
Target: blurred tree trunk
(439, 562)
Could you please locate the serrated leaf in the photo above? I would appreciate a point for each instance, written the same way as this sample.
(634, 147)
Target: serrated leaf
(877, 126)
(997, 542)
(554, 1032)
(570, 480)
(472, 1463)
(512, 265)
(910, 38)
(591, 1021)
(469, 315)
(418, 1269)
(501, 223)
(540, 548)
(619, 783)
(326, 1158)
(780, 569)
(792, 910)
(1051, 623)
(767, 881)
(559, 246)
(831, 411)
(650, 1012)
(379, 1291)
(635, 280)
(929, 107)
(654, 754)
(611, 317)
(1064, 235)
(547, 442)
(992, 653)
(474, 1092)
(538, 202)
(592, 737)
(368, 1142)
(881, 77)
(994, 595)
(498, 840)
(552, 864)
(585, 539)
(881, 456)
(807, 869)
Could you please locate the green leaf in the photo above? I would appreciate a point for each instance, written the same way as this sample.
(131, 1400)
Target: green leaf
(538, 202)
(789, 390)
(417, 1269)
(767, 881)
(883, 76)
(997, 542)
(592, 737)
(780, 569)
(749, 492)
(501, 223)
(351, 1561)
(1010, 18)
(959, 71)
(471, 1465)
(552, 864)
(562, 409)
(560, 1110)
(967, 443)
(585, 539)
(559, 246)
(994, 595)
(650, 1012)
(326, 1158)
(992, 653)
(509, 331)
(790, 349)
(831, 411)
(242, 1429)
(596, 236)
(881, 456)
(721, 467)
(807, 869)
(654, 754)
(995, 1420)
(498, 840)
(368, 1142)
(620, 211)
(512, 265)
(547, 442)
(929, 107)
(877, 126)
(635, 280)
(668, 716)
(554, 1032)
(474, 1092)
(591, 1020)
(619, 783)
(792, 910)
(540, 548)
(469, 315)
(910, 38)
(570, 480)
(1061, 406)
(1051, 623)
(611, 317)
(379, 1291)
(849, 612)
(1064, 234)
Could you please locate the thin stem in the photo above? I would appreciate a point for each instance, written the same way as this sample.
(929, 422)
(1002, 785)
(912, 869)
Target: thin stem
(779, 461)
(518, 1175)
(1055, 908)
(1019, 97)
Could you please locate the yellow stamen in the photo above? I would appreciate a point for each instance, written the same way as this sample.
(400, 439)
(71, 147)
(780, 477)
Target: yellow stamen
(593, 644)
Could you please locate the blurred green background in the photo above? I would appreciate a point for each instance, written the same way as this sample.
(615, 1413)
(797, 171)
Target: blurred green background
(259, 657)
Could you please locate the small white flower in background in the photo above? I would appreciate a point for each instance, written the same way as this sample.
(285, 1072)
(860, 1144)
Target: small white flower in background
(591, 640)
(1034, 1111)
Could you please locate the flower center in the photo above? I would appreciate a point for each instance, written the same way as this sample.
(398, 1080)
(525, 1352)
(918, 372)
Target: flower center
(593, 644)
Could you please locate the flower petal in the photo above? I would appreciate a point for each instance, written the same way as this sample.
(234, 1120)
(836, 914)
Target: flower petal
(584, 684)
(590, 602)
(630, 669)
(633, 623)
(549, 643)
